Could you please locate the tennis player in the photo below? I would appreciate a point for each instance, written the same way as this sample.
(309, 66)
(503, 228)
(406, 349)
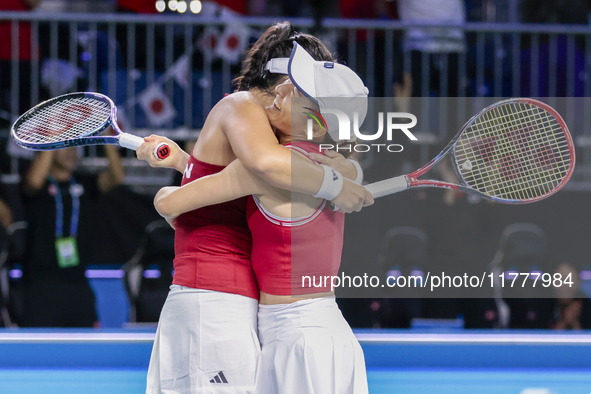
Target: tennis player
(307, 346)
(206, 340)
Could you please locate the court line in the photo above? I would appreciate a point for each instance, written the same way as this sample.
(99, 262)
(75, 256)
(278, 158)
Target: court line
(60, 337)
(364, 338)
(367, 338)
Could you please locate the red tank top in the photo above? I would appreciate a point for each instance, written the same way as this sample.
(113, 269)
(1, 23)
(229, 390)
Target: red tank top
(287, 250)
(24, 32)
(213, 244)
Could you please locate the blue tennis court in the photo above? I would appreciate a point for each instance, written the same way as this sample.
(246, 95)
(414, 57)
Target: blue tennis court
(381, 381)
(486, 381)
(115, 362)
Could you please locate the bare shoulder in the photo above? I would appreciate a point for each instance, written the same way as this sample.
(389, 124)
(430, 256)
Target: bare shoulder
(244, 103)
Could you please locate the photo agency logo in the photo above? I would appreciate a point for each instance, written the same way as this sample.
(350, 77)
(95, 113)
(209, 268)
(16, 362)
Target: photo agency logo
(394, 122)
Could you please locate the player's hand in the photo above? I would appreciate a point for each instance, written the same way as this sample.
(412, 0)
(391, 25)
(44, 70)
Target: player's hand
(352, 198)
(337, 162)
(176, 159)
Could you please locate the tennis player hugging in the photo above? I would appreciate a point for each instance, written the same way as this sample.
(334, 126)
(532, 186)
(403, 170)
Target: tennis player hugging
(307, 346)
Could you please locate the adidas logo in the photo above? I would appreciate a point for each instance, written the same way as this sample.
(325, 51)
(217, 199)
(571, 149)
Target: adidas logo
(334, 175)
(219, 378)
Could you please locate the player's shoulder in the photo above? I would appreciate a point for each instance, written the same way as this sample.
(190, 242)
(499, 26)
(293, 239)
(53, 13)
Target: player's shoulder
(240, 101)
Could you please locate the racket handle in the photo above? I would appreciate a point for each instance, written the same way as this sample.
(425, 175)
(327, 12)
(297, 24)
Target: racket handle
(162, 151)
(389, 186)
(130, 141)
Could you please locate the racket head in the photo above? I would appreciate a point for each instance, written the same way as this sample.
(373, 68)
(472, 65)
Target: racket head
(59, 122)
(515, 151)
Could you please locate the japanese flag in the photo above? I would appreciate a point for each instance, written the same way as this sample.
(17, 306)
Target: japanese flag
(156, 105)
(233, 42)
(209, 41)
(180, 71)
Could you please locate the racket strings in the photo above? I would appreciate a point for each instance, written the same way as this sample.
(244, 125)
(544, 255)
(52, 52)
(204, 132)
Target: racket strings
(64, 120)
(514, 151)
(515, 140)
(511, 166)
(544, 156)
(541, 162)
(488, 146)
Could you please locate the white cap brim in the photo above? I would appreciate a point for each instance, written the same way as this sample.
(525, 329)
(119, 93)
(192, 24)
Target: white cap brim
(302, 76)
(332, 86)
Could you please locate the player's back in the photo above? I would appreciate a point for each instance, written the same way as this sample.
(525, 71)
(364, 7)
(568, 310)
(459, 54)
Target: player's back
(213, 244)
(294, 235)
(213, 145)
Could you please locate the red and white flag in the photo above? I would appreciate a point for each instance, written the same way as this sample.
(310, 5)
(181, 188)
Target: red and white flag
(233, 42)
(180, 71)
(157, 106)
(209, 41)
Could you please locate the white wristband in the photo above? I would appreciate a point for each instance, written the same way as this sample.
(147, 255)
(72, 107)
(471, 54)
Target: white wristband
(359, 178)
(331, 185)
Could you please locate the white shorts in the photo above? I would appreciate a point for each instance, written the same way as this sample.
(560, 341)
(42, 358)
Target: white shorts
(206, 343)
(308, 348)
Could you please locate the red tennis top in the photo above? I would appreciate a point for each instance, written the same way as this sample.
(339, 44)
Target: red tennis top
(286, 251)
(213, 244)
(24, 32)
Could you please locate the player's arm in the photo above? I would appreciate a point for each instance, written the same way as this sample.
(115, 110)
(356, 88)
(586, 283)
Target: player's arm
(5, 214)
(255, 144)
(114, 175)
(38, 172)
(232, 182)
(178, 158)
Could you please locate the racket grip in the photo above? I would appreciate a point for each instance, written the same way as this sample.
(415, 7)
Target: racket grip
(389, 186)
(130, 141)
(162, 151)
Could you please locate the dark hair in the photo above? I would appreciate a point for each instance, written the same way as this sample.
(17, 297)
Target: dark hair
(276, 42)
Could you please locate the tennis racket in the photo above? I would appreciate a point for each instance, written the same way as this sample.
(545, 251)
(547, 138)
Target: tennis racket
(74, 119)
(515, 151)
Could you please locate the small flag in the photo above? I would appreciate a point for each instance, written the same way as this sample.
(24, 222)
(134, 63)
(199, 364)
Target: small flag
(209, 41)
(180, 71)
(233, 42)
(156, 105)
(59, 76)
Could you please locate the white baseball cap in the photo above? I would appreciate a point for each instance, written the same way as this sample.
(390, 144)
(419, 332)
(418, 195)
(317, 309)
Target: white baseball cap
(331, 85)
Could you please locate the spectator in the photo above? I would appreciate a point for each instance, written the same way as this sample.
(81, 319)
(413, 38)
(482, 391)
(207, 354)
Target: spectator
(554, 67)
(5, 215)
(572, 307)
(5, 221)
(569, 314)
(375, 9)
(239, 6)
(137, 6)
(436, 47)
(57, 293)
(25, 55)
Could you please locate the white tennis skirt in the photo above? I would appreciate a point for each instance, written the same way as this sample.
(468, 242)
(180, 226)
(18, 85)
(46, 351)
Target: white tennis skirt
(308, 348)
(206, 343)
